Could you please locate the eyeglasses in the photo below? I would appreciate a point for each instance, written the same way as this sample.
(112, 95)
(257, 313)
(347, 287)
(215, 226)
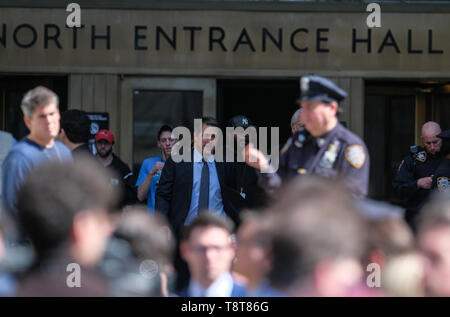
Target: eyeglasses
(200, 249)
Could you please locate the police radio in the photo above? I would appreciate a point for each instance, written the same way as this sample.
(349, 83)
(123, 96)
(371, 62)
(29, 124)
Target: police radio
(414, 149)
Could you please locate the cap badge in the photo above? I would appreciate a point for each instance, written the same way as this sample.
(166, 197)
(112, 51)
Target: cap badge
(304, 84)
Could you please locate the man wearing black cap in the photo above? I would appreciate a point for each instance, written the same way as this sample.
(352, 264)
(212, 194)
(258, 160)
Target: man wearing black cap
(324, 148)
(441, 179)
(247, 177)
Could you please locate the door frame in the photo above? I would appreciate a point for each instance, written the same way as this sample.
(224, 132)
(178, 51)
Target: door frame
(128, 84)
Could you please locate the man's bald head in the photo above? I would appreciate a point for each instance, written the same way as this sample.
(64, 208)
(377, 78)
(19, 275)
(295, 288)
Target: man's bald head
(432, 143)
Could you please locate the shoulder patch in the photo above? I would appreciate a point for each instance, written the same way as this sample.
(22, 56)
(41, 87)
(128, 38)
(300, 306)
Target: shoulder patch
(442, 184)
(421, 156)
(355, 155)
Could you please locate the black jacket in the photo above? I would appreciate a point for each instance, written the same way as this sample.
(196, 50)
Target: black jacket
(174, 192)
(410, 170)
(124, 178)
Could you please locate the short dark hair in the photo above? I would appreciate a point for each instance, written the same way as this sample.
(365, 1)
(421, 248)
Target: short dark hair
(54, 193)
(313, 220)
(76, 125)
(212, 122)
(436, 213)
(263, 235)
(146, 235)
(391, 235)
(163, 129)
(207, 219)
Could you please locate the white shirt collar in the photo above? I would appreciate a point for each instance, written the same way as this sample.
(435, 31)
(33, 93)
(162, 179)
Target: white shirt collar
(222, 287)
(199, 157)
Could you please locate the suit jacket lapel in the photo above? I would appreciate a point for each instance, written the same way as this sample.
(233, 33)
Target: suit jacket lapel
(189, 166)
(220, 168)
(190, 173)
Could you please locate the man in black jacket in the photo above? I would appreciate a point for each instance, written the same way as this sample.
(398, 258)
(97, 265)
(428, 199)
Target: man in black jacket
(415, 173)
(442, 175)
(187, 188)
(200, 184)
(123, 176)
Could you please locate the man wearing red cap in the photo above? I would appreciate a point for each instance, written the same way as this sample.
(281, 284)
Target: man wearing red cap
(124, 177)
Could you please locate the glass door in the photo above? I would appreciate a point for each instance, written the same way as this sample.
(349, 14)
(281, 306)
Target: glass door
(149, 103)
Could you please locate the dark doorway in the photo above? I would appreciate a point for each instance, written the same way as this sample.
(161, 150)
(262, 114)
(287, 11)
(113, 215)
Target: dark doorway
(12, 90)
(393, 115)
(268, 103)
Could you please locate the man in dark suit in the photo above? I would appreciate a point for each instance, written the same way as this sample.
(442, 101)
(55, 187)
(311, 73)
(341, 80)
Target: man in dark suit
(187, 188)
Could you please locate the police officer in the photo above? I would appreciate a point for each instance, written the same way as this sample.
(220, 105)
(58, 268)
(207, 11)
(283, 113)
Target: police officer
(296, 122)
(442, 175)
(415, 174)
(324, 147)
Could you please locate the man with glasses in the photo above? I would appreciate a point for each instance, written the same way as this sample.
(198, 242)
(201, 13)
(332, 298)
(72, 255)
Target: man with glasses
(209, 250)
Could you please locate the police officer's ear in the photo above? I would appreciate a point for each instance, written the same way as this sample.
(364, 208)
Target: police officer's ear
(334, 106)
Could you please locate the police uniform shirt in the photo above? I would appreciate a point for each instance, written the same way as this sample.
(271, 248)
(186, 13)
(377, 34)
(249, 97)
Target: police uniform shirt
(442, 175)
(412, 168)
(441, 179)
(338, 154)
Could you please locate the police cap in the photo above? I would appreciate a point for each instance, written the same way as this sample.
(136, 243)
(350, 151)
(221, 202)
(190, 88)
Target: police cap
(320, 88)
(240, 121)
(444, 135)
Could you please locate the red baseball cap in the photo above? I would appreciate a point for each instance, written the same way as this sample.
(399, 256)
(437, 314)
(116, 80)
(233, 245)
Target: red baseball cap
(104, 135)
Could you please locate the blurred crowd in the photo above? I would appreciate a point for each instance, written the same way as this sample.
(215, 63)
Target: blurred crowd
(74, 223)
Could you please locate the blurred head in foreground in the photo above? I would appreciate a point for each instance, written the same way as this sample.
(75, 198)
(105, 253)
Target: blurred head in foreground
(64, 210)
(318, 241)
(433, 242)
(139, 256)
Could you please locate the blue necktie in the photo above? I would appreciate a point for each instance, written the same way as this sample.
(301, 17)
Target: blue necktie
(203, 200)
